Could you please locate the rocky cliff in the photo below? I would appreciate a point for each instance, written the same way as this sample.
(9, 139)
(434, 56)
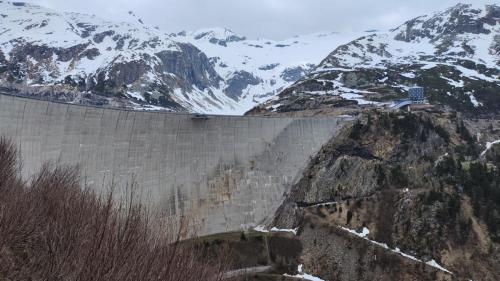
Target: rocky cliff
(401, 197)
(83, 59)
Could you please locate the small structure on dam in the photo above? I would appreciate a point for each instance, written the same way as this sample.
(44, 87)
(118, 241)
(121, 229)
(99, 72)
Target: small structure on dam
(226, 172)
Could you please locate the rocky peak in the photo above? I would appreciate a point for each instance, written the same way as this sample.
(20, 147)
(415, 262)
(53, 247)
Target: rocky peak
(459, 19)
(454, 54)
(130, 64)
(70, 55)
(217, 36)
(134, 16)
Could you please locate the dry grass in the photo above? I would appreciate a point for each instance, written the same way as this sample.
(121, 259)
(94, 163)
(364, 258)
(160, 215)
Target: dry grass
(52, 229)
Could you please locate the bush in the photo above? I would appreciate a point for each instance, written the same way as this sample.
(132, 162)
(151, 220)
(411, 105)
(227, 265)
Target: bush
(398, 177)
(52, 229)
(433, 197)
(464, 133)
(406, 126)
(381, 177)
(243, 237)
(357, 130)
(349, 216)
(442, 133)
(482, 184)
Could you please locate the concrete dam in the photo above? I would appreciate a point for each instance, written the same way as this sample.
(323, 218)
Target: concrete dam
(226, 172)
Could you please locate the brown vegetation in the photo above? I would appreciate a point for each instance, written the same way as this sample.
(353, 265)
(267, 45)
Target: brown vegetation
(53, 229)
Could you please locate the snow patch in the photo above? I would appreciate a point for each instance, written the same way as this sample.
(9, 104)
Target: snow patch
(489, 145)
(364, 235)
(434, 264)
(456, 84)
(261, 228)
(473, 100)
(333, 202)
(136, 95)
(409, 75)
(304, 276)
(356, 97)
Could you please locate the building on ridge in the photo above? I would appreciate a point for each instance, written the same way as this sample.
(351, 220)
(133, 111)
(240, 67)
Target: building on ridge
(416, 95)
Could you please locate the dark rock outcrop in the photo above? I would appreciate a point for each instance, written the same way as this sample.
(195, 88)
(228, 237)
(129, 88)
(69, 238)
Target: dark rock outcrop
(294, 74)
(407, 178)
(239, 82)
(191, 65)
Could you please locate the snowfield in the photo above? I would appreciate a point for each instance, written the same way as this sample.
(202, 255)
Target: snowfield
(277, 64)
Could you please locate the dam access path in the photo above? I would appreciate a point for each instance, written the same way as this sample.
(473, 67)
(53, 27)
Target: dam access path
(227, 173)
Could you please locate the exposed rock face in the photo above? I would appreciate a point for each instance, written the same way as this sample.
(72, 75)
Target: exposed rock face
(453, 54)
(351, 258)
(406, 180)
(254, 71)
(307, 102)
(81, 59)
(191, 65)
(99, 37)
(239, 82)
(70, 56)
(214, 37)
(269, 66)
(295, 73)
(466, 20)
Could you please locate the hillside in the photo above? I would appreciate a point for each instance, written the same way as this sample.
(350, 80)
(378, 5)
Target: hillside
(454, 54)
(401, 196)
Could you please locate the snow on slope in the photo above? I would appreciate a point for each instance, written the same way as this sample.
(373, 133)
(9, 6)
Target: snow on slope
(42, 48)
(25, 23)
(274, 64)
(84, 59)
(463, 31)
(454, 54)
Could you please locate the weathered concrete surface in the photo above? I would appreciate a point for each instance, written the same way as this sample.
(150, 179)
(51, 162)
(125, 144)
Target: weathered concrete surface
(227, 172)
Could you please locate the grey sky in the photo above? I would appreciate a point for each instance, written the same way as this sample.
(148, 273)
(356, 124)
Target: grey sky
(275, 19)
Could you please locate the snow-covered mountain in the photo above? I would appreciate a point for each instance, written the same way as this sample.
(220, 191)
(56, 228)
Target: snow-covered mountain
(256, 70)
(83, 59)
(454, 54)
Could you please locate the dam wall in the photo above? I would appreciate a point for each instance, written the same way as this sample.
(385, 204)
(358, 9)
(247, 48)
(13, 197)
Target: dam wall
(227, 172)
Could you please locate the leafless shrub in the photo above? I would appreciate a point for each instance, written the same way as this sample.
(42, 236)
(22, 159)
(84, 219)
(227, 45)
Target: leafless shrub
(8, 168)
(52, 229)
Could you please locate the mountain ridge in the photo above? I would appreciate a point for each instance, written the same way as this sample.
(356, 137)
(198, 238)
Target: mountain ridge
(79, 58)
(455, 54)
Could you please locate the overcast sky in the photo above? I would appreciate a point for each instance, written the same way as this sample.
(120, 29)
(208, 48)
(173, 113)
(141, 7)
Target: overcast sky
(274, 19)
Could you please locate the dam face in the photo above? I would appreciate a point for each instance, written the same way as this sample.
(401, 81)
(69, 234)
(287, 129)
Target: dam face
(227, 173)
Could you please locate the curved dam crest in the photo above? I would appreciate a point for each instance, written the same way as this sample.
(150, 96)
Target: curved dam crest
(227, 172)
